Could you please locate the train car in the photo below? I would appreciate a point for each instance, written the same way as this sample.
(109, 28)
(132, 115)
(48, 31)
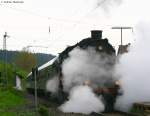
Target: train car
(45, 72)
(54, 67)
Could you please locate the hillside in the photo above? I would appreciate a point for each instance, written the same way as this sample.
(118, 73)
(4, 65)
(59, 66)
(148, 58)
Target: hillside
(40, 57)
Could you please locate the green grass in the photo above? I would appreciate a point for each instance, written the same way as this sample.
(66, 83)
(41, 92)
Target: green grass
(10, 98)
(12, 102)
(8, 114)
(17, 114)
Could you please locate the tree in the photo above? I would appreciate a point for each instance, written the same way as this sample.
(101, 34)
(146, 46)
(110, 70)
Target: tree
(26, 60)
(10, 79)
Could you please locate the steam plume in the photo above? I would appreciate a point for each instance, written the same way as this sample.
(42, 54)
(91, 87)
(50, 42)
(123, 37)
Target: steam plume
(106, 4)
(52, 85)
(134, 69)
(85, 66)
(82, 100)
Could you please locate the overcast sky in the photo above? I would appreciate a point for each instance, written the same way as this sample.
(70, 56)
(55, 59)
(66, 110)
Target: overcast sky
(28, 22)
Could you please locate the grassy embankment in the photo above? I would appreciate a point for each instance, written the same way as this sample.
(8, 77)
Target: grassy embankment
(13, 103)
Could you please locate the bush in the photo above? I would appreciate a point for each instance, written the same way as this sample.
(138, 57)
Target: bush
(43, 111)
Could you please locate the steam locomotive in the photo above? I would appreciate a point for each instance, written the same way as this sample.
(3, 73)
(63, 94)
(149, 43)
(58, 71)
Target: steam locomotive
(54, 67)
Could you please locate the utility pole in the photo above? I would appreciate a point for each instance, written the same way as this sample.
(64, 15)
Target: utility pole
(5, 57)
(49, 30)
(121, 28)
(34, 76)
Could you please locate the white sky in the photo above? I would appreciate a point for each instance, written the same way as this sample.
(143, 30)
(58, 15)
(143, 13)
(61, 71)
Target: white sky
(70, 21)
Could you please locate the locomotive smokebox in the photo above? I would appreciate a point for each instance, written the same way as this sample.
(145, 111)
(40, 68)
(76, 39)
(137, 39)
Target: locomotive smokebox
(96, 34)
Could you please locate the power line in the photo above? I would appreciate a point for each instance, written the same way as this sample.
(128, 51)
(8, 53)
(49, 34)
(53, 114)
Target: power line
(74, 22)
(49, 17)
(35, 14)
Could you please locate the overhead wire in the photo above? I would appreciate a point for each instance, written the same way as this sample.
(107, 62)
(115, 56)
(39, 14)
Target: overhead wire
(74, 22)
(49, 17)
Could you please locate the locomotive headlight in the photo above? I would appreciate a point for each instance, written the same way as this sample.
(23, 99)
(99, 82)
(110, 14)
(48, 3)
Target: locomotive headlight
(118, 82)
(100, 47)
(87, 82)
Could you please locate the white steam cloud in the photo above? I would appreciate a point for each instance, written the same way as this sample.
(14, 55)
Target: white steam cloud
(52, 84)
(81, 68)
(82, 100)
(86, 65)
(135, 71)
(106, 4)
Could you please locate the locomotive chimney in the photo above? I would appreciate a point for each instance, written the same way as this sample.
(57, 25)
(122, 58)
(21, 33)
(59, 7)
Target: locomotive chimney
(96, 34)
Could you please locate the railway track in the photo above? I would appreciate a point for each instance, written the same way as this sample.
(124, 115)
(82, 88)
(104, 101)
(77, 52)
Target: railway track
(116, 113)
(55, 112)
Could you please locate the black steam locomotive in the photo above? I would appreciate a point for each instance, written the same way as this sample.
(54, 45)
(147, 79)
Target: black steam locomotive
(54, 69)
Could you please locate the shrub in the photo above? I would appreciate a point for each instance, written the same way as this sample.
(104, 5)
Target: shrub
(43, 111)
